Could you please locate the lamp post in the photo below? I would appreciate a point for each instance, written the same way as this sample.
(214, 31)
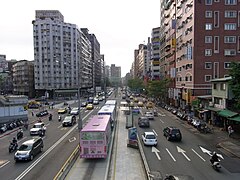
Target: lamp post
(79, 101)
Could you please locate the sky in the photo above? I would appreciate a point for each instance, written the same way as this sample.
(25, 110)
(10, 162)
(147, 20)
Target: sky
(119, 25)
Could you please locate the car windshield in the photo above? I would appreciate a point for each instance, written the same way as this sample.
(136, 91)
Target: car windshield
(175, 131)
(150, 136)
(67, 118)
(25, 147)
(37, 126)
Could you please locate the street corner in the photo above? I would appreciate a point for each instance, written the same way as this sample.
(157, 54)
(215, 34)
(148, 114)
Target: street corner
(230, 147)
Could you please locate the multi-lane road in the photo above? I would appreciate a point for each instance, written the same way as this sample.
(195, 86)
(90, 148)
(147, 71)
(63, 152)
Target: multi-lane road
(59, 143)
(187, 159)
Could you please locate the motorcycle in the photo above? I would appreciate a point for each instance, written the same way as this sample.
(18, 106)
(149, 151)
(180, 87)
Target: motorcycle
(19, 135)
(215, 164)
(12, 147)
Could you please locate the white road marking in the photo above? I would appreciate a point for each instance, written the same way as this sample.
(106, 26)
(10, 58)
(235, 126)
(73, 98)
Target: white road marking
(47, 124)
(156, 151)
(4, 164)
(161, 121)
(198, 155)
(170, 155)
(59, 126)
(72, 139)
(155, 132)
(180, 150)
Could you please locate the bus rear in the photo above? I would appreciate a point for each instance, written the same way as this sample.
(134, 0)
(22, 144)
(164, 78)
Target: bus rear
(95, 137)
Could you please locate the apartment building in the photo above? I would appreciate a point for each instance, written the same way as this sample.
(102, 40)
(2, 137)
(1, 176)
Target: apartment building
(62, 54)
(202, 39)
(23, 78)
(155, 54)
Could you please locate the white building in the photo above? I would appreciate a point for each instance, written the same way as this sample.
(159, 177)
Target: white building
(62, 53)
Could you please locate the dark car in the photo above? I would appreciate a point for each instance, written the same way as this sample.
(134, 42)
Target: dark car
(172, 133)
(143, 122)
(29, 149)
(42, 113)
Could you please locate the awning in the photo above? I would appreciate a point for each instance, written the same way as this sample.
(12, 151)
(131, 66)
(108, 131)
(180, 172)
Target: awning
(236, 118)
(227, 113)
(214, 109)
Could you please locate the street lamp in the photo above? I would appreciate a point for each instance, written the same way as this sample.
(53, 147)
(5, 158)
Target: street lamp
(79, 100)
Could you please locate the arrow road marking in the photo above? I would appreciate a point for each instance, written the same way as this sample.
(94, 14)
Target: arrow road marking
(209, 152)
(170, 154)
(198, 155)
(156, 151)
(183, 153)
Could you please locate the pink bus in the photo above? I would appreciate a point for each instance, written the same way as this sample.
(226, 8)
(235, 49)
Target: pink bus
(95, 137)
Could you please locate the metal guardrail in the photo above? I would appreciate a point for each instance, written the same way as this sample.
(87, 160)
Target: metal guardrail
(62, 173)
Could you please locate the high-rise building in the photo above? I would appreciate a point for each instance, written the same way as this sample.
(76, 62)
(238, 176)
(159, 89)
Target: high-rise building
(62, 53)
(155, 54)
(202, 39)
(115, 75)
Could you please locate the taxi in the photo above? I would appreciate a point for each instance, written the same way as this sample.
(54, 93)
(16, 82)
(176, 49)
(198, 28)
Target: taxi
(62, 110)
(140, 104)
(131, 104)
(89, 107)
(136, 100)
(149, 105)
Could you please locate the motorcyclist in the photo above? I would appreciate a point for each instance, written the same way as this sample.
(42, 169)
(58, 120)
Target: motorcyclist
(214, 157)
(59, 118)
(14, 141)
(50, 117)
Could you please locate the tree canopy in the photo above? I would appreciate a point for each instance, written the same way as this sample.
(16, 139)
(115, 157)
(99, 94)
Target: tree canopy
(234, 72)
(158, 89)
(135, 84)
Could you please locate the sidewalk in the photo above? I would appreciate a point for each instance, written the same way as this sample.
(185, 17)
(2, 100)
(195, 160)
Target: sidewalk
(126, 162)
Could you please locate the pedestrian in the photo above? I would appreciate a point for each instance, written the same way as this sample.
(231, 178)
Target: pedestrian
(32, 113)
(230, 130)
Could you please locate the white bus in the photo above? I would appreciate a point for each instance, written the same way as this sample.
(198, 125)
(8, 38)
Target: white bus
(108, 110)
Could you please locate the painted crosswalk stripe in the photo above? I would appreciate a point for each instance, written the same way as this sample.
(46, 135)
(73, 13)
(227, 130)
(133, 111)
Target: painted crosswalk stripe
(198, 155)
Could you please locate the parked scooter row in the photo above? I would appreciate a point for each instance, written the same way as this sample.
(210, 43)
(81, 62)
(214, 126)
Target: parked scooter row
(10, 126)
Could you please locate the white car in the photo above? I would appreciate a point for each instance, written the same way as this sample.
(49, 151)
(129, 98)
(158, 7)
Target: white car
(37, 128)
(74, 111)
(149, 115)
(149, 138)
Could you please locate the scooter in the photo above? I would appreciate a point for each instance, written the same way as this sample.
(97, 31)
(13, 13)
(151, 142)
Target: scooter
(216, 166)
(19, 135)
(12, 147)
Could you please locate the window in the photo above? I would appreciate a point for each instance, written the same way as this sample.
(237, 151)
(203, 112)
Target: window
(208, 39)
(208, 52)
(214, 86)
(229, 52)
(208, 26)
(208, 2)
(230, 14)
(230, 26)
(208, 78)
(216, 44)
(208, 14)
(223, 86)
(230, 2)
(227, 65)
(190, 78)
(216, 19)
(229, 39)
(208, 65)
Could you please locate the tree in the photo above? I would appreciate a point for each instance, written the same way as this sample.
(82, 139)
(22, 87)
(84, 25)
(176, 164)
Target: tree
(158, 89)
(135, 84)
(234, 83)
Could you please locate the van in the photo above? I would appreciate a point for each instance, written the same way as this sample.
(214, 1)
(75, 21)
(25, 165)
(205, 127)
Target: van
(29, 149)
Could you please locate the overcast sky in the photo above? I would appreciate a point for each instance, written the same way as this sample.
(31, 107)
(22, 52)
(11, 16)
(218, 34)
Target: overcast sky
(119, 25)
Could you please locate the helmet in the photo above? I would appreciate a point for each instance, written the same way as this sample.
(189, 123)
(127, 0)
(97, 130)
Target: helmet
(14, 138)
(214, 153)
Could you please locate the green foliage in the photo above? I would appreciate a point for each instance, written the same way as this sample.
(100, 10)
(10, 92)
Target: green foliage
(234, 83)
(135, 84)
(158, 89)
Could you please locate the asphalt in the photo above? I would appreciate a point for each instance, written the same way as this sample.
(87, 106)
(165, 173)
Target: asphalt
(127, 163)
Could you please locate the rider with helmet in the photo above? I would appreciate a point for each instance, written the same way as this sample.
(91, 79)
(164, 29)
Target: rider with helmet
(214, 157)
